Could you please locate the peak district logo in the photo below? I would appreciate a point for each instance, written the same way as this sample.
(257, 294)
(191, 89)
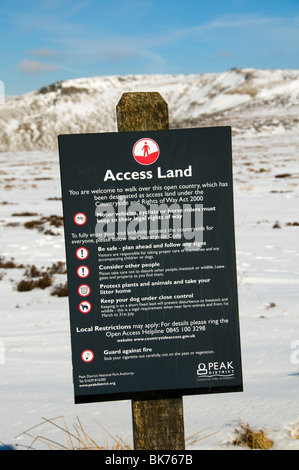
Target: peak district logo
(215, 369)
(146, 151)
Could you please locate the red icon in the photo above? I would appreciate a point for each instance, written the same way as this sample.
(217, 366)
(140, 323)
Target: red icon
(85, 306)
(84, 290)
(87, 355)
(82, 253)
(83, 271)
(146, 151)
(80, 218)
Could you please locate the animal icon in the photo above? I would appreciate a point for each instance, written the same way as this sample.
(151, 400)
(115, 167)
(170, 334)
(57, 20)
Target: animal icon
(84, 306)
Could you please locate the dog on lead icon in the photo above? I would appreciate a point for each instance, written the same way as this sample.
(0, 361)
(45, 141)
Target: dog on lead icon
(85, 306)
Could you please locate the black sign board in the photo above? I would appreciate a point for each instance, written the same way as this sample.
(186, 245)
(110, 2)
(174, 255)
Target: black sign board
(150, 247)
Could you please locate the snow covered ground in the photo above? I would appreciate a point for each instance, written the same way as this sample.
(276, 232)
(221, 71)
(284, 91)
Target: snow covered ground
(35, 355)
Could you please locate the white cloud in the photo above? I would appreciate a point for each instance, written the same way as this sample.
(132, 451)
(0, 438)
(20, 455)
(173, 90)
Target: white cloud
(116, 50)
(268, 27)
(80, 46)
(45, 52)
(224, 54)
(33, 67)
(109, 49)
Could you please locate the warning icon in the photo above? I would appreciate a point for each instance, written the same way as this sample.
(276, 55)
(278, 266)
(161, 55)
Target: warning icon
(82, 253)
(83, 271)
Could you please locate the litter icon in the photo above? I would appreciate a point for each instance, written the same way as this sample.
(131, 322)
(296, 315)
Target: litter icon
(84, 290)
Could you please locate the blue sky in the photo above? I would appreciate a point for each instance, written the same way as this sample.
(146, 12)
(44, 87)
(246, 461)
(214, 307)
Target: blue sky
(43, 41)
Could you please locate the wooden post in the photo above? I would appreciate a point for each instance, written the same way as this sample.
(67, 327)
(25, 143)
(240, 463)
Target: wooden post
(142, 112)
(157, 424)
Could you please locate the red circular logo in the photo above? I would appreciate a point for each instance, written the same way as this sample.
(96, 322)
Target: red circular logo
(87, 355)
(85, 306)
(84, 290)
(146, 151)
(83, 271)
(82, 253)
(80, 218)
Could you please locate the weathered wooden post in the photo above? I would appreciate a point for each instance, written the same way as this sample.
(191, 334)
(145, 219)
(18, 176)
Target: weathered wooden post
(157, 424)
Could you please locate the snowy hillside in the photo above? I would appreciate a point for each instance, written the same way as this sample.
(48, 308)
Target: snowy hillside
(262, 100)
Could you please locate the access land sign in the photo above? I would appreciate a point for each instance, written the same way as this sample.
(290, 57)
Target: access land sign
(150, 247)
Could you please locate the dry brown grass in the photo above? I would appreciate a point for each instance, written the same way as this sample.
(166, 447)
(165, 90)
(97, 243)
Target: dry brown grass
(193, 439)
(24, 214)
(42, 282)
(40, 278)
(75, 438)
(252, 438)
(61, 290)
(243, 89)
(9, 264)
(35, 277)
(39, 224)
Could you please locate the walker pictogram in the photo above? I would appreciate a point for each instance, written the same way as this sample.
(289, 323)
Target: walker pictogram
(83, 271)
(82, 253)
(146, 151)
(80, 218)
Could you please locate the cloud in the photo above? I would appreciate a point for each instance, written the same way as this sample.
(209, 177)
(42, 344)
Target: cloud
(45, 52)
(224, 54)
(109, 49)
(33, 67)
(266, 26)
(118, 52)
(82, 47)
